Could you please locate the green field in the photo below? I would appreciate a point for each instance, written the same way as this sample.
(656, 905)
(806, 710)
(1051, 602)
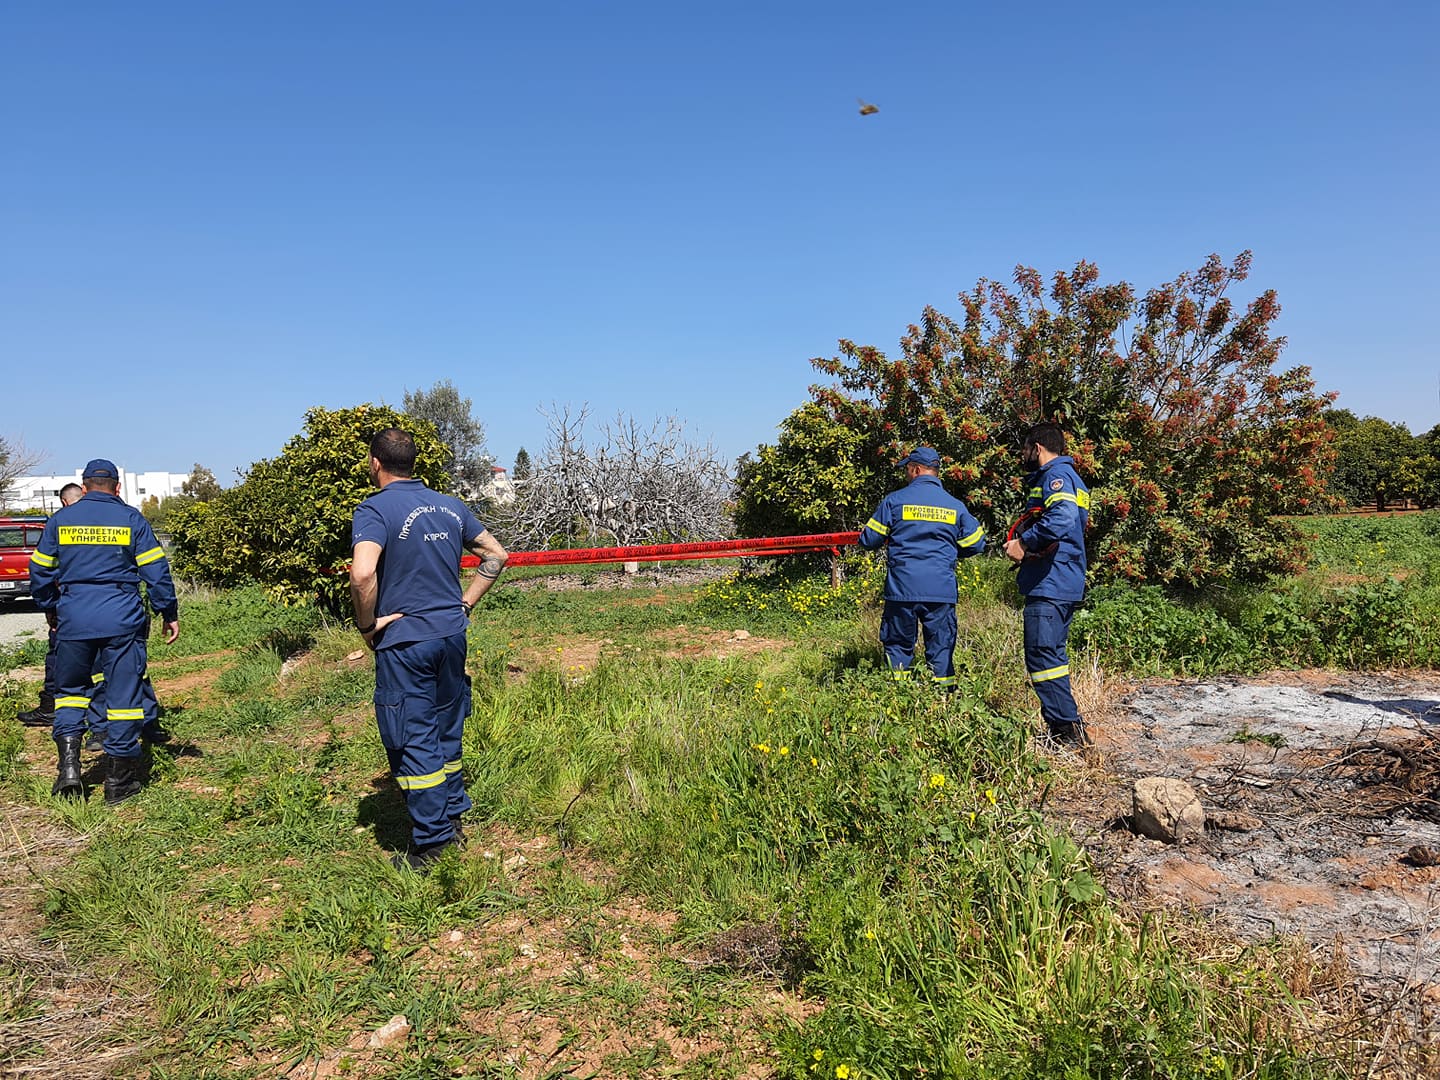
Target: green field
(712, 838)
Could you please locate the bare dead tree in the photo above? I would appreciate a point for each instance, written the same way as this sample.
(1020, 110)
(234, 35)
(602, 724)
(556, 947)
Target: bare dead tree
(633, 485)
(16, 460)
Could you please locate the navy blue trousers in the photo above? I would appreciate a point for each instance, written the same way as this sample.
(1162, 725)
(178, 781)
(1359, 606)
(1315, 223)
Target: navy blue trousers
(422, 697)
(121, 660)
(95, 718)
(1047, 625)
(898, 625)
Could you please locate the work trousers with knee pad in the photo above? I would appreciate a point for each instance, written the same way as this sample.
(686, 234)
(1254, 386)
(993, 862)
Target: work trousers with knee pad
(898, 625)
(121, 660)
(1047, 659)
(422, 698)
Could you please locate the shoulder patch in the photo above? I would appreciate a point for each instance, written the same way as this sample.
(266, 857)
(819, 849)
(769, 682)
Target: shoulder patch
(1056, 484)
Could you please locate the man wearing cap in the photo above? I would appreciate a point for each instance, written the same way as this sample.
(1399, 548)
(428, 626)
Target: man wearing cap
(1049, 557)
(85, 575)
(409, 608)
(926, 531)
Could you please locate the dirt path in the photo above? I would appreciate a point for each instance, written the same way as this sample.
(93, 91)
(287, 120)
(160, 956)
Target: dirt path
(56, 1020)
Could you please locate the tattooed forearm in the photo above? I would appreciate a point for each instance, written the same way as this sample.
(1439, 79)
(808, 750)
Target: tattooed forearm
(491, 566)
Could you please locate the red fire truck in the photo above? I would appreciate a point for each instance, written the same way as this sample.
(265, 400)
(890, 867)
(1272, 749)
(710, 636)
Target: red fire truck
(18, 537)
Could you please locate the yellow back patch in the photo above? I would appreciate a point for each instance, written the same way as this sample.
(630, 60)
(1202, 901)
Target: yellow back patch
(95, 534)
(928, 513)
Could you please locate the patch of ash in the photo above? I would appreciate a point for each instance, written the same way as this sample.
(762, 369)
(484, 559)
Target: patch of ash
(1342, 773)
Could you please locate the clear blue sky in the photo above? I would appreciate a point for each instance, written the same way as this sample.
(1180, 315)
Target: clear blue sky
(213, 216)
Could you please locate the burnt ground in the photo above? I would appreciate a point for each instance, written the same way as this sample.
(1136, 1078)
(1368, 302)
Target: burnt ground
(1323, 794)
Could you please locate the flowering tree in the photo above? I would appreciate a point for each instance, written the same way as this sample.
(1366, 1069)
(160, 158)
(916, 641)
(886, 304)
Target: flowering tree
(1192, 442)
(631, 485)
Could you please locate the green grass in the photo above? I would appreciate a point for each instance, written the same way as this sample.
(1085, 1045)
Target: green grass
(888, 839)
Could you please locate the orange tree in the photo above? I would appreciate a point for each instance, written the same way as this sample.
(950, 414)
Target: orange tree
(1192, 440)
(287, 525)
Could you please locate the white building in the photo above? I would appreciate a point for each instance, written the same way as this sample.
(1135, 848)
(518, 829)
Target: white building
(44, 491)
(500, 490)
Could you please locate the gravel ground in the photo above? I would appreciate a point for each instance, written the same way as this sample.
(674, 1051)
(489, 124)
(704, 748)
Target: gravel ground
(18, 620)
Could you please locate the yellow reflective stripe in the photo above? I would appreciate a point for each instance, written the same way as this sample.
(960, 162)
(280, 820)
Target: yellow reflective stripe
(1061, 496)
(1035, 493)
(944, 680)
(419, 783)
(877, 527)
(901, 673)
(39, 558)
(973, 538)
(452, 766)
(95, 534)
(1050, 673)
(145, 558)
(911, 512)
(97, 678)
(75, 701)
(124, 714)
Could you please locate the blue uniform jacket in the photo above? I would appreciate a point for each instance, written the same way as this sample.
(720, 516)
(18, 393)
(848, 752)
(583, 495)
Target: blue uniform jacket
(1058, 491)
(88, 567)
(422, 534)
(927, 529)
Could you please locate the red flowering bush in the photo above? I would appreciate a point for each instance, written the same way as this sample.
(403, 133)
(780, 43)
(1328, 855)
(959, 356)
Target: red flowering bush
(1191, 441)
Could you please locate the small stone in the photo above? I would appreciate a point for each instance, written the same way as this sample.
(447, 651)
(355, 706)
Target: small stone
(392, 1033)
(741, 635)
(1167, 809)
(515, 862)
(456, 936)
(1420, 855)
(358, 654)
(526, 949)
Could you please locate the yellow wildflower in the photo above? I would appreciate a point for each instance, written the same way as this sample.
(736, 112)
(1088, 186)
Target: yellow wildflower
(990, 794)
(937, 780)
(842, 1072)
(784, 750)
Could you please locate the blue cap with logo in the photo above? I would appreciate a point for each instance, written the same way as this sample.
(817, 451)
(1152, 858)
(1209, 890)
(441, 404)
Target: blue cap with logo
(923, 455)
(100, 469)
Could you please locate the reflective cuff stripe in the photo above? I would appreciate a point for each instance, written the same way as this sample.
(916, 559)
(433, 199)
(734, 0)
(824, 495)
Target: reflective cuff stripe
(72, 702)
(124, 714)
(97, 678)
(145, 558)
(1035, 493)
(419, 783)
(1050, 673)
(452, 767)
(39, 558)
(944, 680)
(875, 526)
(974, 538)
(901, 673)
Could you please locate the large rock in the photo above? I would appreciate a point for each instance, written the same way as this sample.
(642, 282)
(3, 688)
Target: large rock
(1167, 809)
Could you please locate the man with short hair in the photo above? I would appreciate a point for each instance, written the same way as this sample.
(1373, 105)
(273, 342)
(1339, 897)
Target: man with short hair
(409, 608)
(85, 575)
(1049, 554)
(43, 715)
(926, 531)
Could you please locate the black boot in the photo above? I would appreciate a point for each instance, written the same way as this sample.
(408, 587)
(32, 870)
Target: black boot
(42, 715)
(68, 782)
(123, 780)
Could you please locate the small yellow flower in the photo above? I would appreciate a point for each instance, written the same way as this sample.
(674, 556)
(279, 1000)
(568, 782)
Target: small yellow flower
(937, 780)
(869, 935)
(764, 748)
(818, 1055)
(990, 794)
(784, 750)
(842, 1072)
(815, 761)
(759, 684)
